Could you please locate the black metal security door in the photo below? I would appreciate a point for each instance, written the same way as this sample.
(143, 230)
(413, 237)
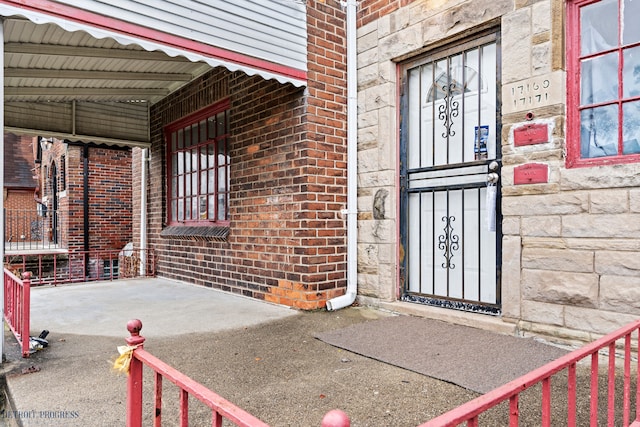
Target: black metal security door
(450, 167)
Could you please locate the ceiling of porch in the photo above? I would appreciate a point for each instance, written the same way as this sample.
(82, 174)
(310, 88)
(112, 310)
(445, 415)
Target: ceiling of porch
(68, 78)
(72, 85)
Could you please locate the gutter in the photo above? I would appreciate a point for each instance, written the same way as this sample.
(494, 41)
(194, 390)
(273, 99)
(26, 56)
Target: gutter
(352, 162)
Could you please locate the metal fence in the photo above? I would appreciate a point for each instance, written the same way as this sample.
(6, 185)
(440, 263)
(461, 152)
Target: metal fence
(84, 266)
(17, 306)
(28, 229)
(617, 348)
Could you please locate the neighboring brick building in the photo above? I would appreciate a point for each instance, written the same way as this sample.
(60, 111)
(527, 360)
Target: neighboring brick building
(19, 188)
(92, 199)
(446, 89)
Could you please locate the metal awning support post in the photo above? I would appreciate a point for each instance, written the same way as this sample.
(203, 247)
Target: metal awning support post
(2, 237)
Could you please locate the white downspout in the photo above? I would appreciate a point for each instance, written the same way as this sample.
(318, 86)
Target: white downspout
(143, 211)
(352, 162)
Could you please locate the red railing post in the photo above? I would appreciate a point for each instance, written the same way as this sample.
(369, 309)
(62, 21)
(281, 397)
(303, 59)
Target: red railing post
(335, 418)
(25, 313)
(134, 381)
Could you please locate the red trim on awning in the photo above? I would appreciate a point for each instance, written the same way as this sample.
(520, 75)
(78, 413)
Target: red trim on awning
(70, 13)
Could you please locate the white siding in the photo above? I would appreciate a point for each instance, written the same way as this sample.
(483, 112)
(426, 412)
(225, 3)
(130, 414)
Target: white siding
(272, 30)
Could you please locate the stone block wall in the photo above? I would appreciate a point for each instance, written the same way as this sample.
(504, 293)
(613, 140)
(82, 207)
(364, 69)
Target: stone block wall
(570, 245)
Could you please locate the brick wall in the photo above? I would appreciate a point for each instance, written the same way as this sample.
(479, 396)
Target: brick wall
(287, 240)
(110, 198)
(370, 10)
(20, 207)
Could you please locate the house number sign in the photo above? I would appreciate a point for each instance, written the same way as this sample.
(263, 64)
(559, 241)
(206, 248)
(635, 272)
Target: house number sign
(536, 92)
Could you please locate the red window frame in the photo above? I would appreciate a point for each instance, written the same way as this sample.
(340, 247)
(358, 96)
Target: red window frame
(573, 158)
(202, 138)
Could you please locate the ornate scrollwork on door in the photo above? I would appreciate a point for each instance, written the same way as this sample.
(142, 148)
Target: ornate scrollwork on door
(449, 109)
(448, 242)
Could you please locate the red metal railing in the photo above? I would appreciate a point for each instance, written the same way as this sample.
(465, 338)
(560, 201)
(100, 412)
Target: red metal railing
(220, 408)
(511, 391)
(17, 303)
(84, 266)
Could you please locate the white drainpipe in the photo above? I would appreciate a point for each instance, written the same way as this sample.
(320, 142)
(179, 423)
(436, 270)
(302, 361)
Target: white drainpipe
(143, 211)
(352, 162)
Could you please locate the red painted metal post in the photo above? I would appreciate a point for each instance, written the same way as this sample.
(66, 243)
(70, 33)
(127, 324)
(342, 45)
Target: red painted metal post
(611, 385)
(593, 408)
(626, 393)
(25, 313)
(546, 402)
(571, 399)
(514, 410)
(134, 381)
(158, 401)
(335, 418)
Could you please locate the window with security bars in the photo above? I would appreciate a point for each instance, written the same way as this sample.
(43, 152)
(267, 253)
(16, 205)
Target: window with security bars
(603, 85)
(198, 167)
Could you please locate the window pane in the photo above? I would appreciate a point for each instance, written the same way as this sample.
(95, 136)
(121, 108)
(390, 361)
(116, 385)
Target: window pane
(631, 30)
(222, 182)
(194, 183)
(180, 209)
(212, 127)
(174, 209)
(599, 132)
(194, 160)
(180, 163)
(187, 185)
(203, 182)
(212, 181)
(222, 209)
(195, 134)
(222, 128)
(174, 187)
(174, 141)
(631, 72)
(222, 157)
(174, 164)
(203, 130)
(203, 207)
(181, 186)
(180, 139)
(212, 208)
(187, 205)
(212, 157)
(187, 137)
(598, 27)
(631, 128)
(187, 162)
(599, 79)
(194, 208)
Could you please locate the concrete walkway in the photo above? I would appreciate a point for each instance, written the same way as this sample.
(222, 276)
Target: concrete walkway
(262, 357)
(165, 307)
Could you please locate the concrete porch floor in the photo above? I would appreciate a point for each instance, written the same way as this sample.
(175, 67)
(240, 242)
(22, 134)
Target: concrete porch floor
(262, 357)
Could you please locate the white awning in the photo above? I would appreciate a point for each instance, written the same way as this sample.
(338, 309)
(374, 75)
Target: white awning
(284, 61)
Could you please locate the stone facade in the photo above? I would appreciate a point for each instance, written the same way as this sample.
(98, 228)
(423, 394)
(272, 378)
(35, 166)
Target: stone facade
(570, 246)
